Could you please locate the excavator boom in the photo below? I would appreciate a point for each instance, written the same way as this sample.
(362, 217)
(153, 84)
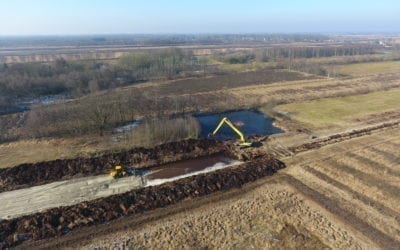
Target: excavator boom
(226, 121)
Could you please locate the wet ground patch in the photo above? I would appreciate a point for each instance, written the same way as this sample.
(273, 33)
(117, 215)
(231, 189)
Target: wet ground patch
(60, 221)
(28, 175)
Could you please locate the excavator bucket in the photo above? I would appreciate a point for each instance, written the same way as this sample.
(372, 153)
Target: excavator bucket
(246, 144)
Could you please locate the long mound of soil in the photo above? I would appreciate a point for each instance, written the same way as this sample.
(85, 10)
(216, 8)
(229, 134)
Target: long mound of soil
(27, 175)
(343, 136)
(59, 221)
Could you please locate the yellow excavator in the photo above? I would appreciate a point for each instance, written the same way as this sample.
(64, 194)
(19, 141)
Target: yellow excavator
(118, 172)
(225, 120)
(122, 171)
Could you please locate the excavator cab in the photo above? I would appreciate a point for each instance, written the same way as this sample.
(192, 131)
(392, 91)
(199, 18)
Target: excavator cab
(118, 172)
(121, 171)
(243, 143)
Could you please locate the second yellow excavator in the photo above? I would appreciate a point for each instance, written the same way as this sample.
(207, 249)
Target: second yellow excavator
(226, 121)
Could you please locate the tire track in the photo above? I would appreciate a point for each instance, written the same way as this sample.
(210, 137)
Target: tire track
(363, 198)
(381, 239)
(367, 179)
(375, 164)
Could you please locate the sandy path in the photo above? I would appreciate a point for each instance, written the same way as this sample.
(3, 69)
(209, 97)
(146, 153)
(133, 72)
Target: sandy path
(62, 193)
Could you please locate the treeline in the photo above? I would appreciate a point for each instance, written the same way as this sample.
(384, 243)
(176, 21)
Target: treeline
(19, 81)
(156, 40)
(269, 54)
(156, 130)
(275, 54)
(162, 63)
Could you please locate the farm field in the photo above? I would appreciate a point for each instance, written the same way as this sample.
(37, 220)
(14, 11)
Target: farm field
(370, 68)
(341, 111)
(335, 196)
(23, 151)
(329, 178)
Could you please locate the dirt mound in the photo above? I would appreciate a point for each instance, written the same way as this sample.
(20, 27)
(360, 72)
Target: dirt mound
(27, 175)
(341, 137)
(59, 221)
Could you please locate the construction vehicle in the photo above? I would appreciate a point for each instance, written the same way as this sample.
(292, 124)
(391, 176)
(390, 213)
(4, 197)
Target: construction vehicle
(225, 120)
(121, 171)
(118, 172)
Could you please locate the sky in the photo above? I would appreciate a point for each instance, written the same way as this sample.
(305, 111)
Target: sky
(79, 17)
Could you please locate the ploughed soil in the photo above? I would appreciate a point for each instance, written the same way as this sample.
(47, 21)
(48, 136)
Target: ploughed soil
(60, 221)
(28, 175)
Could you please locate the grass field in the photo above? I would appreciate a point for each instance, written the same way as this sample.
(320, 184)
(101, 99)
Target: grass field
(330, 112)
(28, 151)
(360, 69)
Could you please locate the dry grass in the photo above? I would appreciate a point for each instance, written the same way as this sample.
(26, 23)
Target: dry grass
(148, 134)
(29, 151)
(271, 216)
(361, 69)
(244, 67)
(331, 112)
(363, 186)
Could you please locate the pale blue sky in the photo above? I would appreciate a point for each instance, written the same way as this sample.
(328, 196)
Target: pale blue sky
(58, 17)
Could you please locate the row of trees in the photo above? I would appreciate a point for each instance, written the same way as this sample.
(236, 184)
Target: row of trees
(170, 62)
(269, 54)
(31, 80)
(151, 40)
(296, 52)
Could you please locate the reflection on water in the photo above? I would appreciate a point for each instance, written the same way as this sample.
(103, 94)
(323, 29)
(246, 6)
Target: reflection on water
(250, 122)
(182, 169)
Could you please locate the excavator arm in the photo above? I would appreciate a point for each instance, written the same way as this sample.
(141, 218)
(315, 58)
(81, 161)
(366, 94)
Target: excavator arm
(226, 121)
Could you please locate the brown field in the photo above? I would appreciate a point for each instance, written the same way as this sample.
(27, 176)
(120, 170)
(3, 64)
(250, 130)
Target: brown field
(335, 197)
(340, 188)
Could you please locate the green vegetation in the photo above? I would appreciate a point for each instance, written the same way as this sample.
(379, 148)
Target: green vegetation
(370, 68)
(339, 111)
(238, 58)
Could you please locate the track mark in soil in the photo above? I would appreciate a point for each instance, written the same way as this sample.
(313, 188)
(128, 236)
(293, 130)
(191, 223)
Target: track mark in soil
(367, 179)
(367, 201)
(389, 155)
(380, 238)
(372, 163)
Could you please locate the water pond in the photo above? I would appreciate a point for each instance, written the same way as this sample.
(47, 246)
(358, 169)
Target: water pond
(250, 122)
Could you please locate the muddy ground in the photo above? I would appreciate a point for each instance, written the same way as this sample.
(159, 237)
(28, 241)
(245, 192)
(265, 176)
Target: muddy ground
(59, 221)
(27, 175)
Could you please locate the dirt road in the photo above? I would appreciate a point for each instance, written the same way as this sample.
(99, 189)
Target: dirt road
(63, 193)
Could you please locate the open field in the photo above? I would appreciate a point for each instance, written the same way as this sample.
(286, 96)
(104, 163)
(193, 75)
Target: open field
(333, 197)
(370, 68)
(357, 181)
(138, 101)
(28, 151)
(331, 180)
(341, 111)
